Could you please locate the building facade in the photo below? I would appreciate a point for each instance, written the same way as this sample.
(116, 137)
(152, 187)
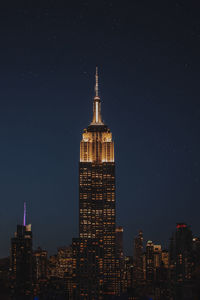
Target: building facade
(21, 260)
(97, 196)
(138, 258)
(181, 253)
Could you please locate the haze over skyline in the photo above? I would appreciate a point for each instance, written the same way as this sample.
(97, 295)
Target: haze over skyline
(148, 58)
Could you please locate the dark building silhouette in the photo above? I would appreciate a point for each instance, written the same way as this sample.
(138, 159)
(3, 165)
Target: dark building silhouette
(149, 261)
(52, 264)
(119, 242)
(97, 203)
(128, 274)
(87, 268)
(138, 258)
(120, 266)
(4, 278)
(182, 262)
(181, 252)
(21, 259)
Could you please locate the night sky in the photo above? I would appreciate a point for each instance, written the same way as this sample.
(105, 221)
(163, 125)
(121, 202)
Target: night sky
(148, 53)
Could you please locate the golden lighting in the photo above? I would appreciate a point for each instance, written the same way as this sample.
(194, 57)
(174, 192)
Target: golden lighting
(97, 147)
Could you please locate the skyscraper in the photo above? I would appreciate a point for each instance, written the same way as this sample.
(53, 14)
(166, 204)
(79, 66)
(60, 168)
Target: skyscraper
(120, 270)
(150, 261)
(97, 193)
(153, 261)
(119, 242)
(40, 265)
(21, 259)
(138, 257)
(181, 252)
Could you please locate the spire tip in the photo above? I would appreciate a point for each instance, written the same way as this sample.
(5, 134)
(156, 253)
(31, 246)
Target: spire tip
(97, 83)
(24, 219)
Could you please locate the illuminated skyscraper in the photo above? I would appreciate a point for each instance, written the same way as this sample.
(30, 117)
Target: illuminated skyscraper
(40, 265)
(138, 257)
(97, 192)
(119, 242)
(21, 259)
(181, 255)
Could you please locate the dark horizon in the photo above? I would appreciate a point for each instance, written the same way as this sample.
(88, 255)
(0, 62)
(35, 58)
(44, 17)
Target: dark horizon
(148, 58)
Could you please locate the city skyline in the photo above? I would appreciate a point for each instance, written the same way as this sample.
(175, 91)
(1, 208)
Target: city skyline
(89, 156)
(149, 88)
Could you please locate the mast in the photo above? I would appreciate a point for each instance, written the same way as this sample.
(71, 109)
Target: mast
(24, 219)
(97, 120)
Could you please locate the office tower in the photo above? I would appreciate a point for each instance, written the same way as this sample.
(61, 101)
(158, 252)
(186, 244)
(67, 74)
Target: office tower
(181, 252)
(164, 266)
(87, 269)
(40, 264)
(119, 243)
(165, 258)
(157, 256)
(149, 261)
(51, 266)
(21, 259)
(138, 257)
(64, 261)
(153, 261)
(40, 271)
(119, 257)
(4, 278)
(97, 194)
(128, 273)
(196, 250)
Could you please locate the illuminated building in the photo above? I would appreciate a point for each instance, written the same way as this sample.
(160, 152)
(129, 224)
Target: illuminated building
(97, 194)
(149, 261)
(119, 258)
(87, 269)
(64, 261)
(52, 263)
(165, 258)
(138, 257)
(157, 255)
(181, 248)
(40, 264)
(21, 259)
(128, 273)
(119, 242)
(4, 278)
(153, 261)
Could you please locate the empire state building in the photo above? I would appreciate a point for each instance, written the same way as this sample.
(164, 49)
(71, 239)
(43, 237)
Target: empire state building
(97, 206)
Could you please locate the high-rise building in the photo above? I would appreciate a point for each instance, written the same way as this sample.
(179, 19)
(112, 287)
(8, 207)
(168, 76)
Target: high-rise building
(64, 261)
(153, 261)
(87, 269)
(120, 257)
(119, 243)
(40, 264)
(181, 252)
(128, 277)
(182, 262)
(138, 257)
(97, 193)
(157, 251)
(4, 278)
(165, 258)
(51, 267)
(21, 259)
(149, 261)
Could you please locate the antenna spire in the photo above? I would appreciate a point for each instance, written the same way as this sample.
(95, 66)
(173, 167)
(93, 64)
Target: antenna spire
(24, 220)
(97, 83)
